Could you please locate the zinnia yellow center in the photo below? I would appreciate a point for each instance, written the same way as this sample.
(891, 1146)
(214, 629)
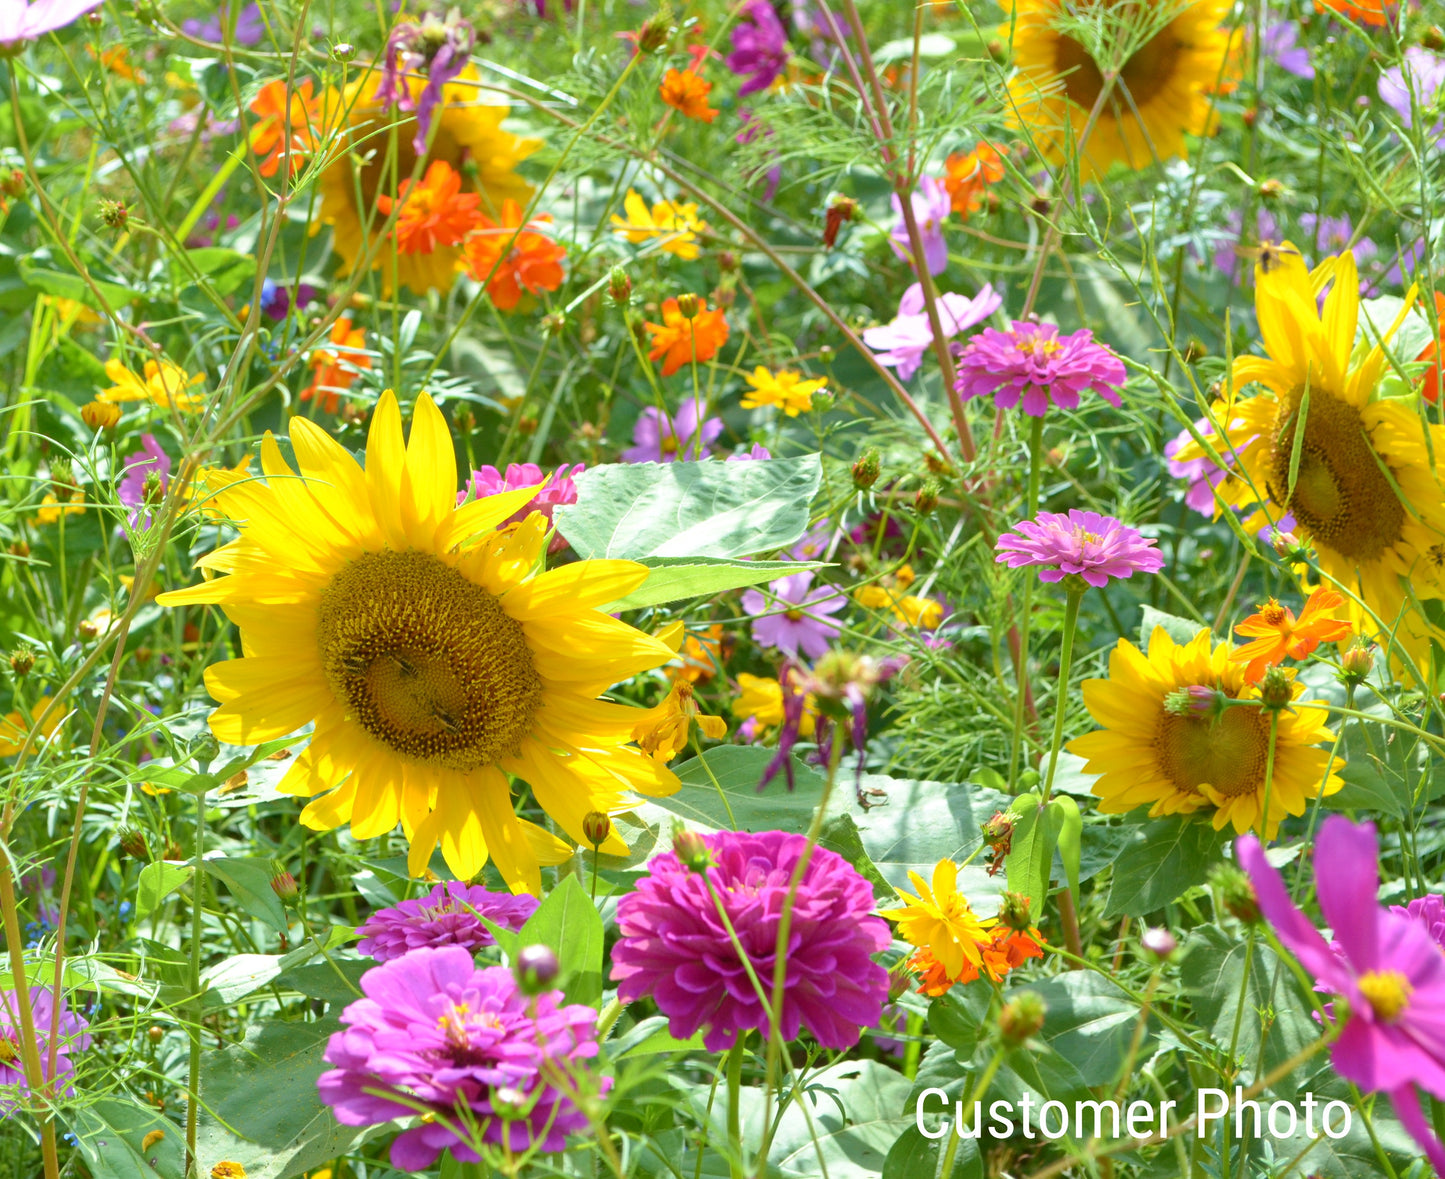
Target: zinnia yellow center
(1341, 497)
(427, 662)
(9, 1050)
(1387, 992)
(1228, 754)
(1148, 70)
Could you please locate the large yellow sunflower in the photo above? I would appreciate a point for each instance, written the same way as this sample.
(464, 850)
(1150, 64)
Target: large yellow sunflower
(1149, 755)
(1365, 491)
(467, 134)
(1170, 55)
(429, 651)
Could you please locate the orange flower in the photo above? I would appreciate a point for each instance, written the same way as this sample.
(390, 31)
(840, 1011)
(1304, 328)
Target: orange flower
(287, 126)
(678, 339)
(684, 91)
(1368, 12)
(1430, 379)
(702, 654)
(969, 174)
(533, 261)
(336, 368)
(1005, 951)
(435, 212)
(1279, 635)
(117, 60)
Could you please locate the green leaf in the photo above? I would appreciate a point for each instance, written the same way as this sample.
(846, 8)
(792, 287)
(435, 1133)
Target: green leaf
(674, 579)
(913, 1156)
(650, 1038)
(1067, 827)
(250, 883)
(857, 1114)
(158, 881)
(840, 834)
(1165, 859)
(1090, 1023)
(224, 269)
(1366, 789)
(738, 770)
(1181, 630)
(1031, 852)
(106, 296)
(957, 1018)
(707, 509)
(110, 1137)
(568, 921)
(319, 980)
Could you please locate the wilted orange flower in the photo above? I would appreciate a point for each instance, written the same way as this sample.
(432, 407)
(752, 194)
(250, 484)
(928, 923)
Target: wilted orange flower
(1367, 12)
(1430, 381)
(533, 260)
(701, 654)
(286, 127)
(435, 212)
(663, 731)
(1278, 634)
(684, 91)
(968, 175)
(335, 368)
(678, 339)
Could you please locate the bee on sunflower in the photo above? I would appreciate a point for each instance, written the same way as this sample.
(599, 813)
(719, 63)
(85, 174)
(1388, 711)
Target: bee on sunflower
(432, 655)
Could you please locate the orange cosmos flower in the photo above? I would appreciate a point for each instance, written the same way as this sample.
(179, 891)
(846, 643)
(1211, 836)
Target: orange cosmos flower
(336, 368)
(1004, 951)
(1278, 634)
(968, 175)
(1430, 379)
(702, 654)
(286, 127)
(533, 261)
(435, 212)
(684, 91)
(1368, 12)
(679, 339)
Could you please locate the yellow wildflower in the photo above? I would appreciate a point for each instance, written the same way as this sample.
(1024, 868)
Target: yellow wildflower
(164, 384)
(786, 390)
(676, 219)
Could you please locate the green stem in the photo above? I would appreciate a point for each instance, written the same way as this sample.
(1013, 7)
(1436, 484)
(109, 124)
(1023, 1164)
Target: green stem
(979, 1092)
(193, 1081)
(1016, 754)
(735, 1095)
(1066, 658)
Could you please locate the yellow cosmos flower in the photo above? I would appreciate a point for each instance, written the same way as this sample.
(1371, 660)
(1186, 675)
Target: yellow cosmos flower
(163, 384)
(676, 220)
(466, 134)
(1169, 55)
(760, 700)
(51, 510)
(663, 731)
(1148, 755)
(14, 727)
(430, 653)
(942, 921)
(1364, 491)
(787, 390)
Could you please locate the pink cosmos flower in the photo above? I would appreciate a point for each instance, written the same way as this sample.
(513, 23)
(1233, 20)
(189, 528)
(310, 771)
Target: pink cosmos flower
(138, 468)
(20, 21)
(1033, 363)
(1203, 475)
(73, 1038)
(903, 342)
(555, 489)
(437, 48)
(931, 206)
(1385, 964)
(660, 438)
(760, 47)
(788, 616)
(1093, 546)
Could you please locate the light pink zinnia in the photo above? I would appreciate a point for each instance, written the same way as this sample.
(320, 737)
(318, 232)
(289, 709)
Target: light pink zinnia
(1033, 363)
(1093, 546)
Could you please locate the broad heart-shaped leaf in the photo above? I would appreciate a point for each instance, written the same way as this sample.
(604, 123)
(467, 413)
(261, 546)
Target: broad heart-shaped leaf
(1090, 1023)
(110, 1137)
(1165, 859)
(568, 922)
(250, 883)
(158, 881)
(1181, 630)
(675, 579)
(692, 509)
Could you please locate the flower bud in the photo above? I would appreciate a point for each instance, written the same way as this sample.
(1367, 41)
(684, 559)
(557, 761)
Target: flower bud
(100, 415)
(1021, 1017)
(1288, 545)
(22, 659)
(114, 214)
(1195, 700)
(12, 184)
(204, 747)
(900, 979)
(1013, 911)
(155, 1033)
(342, 52)
(1276, 690)
(509, 1103)
(133, 844)
(1270, 190)
(867, 469)
(1236, 893)
(18, 548)
(687, 305)
(727, 261)
(87, 630)
(1357, 663)
(283, 884)
(554, 323)
(998, 831)
(536, 969)
(1159, 942)
(691, 850)
(466, 420)
(656, 32)
(619, 286)
(926, 498)
(824, 400)
(62, 476)
(596, 827)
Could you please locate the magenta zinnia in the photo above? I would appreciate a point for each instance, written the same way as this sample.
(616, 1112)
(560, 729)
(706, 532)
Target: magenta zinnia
(446, 916)
(1093, 546)
(1032, 363)
(435, 1032)
(675, 947)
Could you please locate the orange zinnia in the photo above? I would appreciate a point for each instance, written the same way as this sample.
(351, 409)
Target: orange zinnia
(1278, 634)
(678, 339)
(1430, 379)
(435, 212)
(684, 91)
(1367, 12)
(533, 261)
(969, 174)
(287, 125)
(336, 368)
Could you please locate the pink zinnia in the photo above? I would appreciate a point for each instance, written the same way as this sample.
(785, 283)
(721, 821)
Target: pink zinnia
(446, 916)
(1093, 546)
(1385, 964)
(676, 951)
(1033, 363)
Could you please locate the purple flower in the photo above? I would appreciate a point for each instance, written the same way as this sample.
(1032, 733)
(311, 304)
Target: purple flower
(1422, 73)
(1032, 362)
(276, 298)
(1266, 230)
(1093, 546)
(138, 468)
(760, 47)
(795, 626)
(1279, 43)
(435, 1031)
(20, 22)
(675, 948)
(556, 488)
(903, 342)
(446, 916)
(1430, 912)
(756, 451)
(814, 544)
(1386, 965)
(1203, 475)
(931, 206)
(1332, 236)
(73, 1038)
(250, 26)
(436, 47)
(658, 438)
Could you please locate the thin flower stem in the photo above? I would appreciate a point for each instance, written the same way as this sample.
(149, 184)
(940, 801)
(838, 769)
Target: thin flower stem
(735, 1086)
(1021, 679)
(980, 1091)
(193, 1078)
(29, 1047)
(1066, 655)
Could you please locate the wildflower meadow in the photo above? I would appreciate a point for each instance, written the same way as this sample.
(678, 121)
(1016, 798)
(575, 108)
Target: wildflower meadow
(722, 589)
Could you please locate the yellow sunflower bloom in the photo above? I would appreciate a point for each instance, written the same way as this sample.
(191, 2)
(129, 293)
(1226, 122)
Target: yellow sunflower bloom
(1178, 763)
(14, 728)
(163, 384)
(432, 656)
(1169, 56)
(941, 921)
(1365, 491)
(675, 221)
(467, 134)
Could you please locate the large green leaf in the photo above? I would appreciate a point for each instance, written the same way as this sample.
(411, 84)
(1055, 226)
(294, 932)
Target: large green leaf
(675, 579)
(568, 921)
(104, 296)
(858, 1113)
(1031, 851)
(250, 883)
(110, 1136)
(1090, 1023)
(158, 881)
(1165, 859)
(702, 509)
(733, 801)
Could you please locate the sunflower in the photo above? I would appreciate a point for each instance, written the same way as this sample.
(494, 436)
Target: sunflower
(431, 658)
(1360, 483)
(1178, 761)
(467, 135)
(1169, 55)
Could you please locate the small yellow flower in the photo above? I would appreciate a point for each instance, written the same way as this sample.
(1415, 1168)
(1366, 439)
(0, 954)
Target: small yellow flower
(154, 791)
(760, 700)
(787, 390)
(51, 511)
(663, 731)
(164, 384)
(908, 609)
(13, 729)
(941, 920)
(677, 219)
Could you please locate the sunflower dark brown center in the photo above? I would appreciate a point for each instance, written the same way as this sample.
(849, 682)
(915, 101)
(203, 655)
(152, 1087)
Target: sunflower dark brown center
(1342, 499)
(1147, 72)
(426, 661)
(1229, 753)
